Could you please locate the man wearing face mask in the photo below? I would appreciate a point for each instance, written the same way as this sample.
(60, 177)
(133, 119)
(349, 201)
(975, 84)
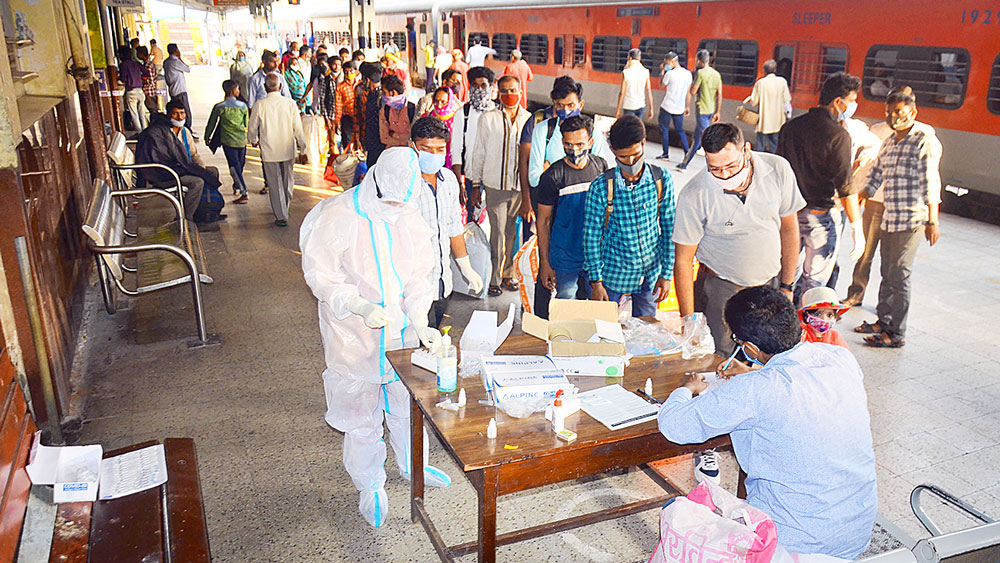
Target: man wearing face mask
(627, 225)
(255, 89)
(561, 193)
(240, 72)
(438, 203)
(396, 116)
(466, 123)
(739, 218)
(368, 105)
(493, 166)
(367, 256)
(907, 168)
(819, 150)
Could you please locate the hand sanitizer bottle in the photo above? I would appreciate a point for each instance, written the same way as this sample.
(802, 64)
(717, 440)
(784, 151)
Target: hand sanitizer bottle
(447, 365)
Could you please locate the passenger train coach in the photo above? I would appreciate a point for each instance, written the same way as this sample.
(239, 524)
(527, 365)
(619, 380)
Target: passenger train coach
(948, 52)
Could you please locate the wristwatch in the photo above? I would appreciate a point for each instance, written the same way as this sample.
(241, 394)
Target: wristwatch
(930, 223)
(786, 286)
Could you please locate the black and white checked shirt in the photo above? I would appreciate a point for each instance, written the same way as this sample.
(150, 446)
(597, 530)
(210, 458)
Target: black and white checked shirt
(909, 171)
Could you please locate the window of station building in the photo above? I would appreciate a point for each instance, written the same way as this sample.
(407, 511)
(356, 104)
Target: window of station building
(993, 93)
(484, 38)
(735, 59)
(535, 48)
(938, 75)
(503, 44)
(609, 53)
(807, 64)
(655, 48)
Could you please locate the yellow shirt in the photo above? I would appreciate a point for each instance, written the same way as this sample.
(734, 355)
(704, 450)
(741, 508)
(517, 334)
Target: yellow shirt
(428, 56)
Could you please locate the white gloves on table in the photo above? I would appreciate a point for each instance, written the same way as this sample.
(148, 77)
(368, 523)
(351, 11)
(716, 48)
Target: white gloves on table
(859, 240)
(470, 275)
(374, 315)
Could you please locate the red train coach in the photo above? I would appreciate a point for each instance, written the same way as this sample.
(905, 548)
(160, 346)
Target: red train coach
(948, 52)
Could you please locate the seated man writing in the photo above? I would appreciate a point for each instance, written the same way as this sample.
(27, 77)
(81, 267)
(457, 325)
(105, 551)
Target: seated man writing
(799, 426)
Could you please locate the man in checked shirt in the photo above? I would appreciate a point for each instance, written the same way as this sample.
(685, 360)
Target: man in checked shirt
(628, 225)
(907, 166)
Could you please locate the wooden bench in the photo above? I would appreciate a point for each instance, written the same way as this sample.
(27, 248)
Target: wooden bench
(166, 256)
(162, 524)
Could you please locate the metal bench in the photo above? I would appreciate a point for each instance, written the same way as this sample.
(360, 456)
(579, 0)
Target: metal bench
(121, 159)
(972, 545)
(166, 256)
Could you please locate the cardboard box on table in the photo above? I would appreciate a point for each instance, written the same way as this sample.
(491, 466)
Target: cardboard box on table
(586, 331)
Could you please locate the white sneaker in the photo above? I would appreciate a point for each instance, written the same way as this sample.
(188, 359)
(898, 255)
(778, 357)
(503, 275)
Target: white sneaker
(374, 506)
(706, 466)
(433, 477)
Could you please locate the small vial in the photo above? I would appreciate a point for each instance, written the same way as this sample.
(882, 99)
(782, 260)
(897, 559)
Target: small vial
(461, 397)
(491, 429)
(649, 387)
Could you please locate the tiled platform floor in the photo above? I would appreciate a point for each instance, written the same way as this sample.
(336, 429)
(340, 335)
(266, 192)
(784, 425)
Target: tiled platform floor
(274, 485)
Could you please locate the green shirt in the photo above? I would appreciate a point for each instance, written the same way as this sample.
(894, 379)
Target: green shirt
(708, 82)
(231, 117)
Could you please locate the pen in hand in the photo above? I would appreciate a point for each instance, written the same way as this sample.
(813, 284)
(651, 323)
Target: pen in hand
(732, 356)
(646, 397)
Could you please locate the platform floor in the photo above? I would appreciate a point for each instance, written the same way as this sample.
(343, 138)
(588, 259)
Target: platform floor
(276, 490)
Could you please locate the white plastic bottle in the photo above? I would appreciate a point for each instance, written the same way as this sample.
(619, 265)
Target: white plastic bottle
(558, 414)
(447, 366)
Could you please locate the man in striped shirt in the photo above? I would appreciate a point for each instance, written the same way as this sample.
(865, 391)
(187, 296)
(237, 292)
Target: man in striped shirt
(907, 167)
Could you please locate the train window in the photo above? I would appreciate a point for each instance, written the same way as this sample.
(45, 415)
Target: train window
(655, 48)
(557, 50)
(937, 75)
(400, 38)
(609, 53)
(579, 50)
(503, 44)
(535, 48)
(484, 38)
(806, 65)
(993, 94)
(735, 59)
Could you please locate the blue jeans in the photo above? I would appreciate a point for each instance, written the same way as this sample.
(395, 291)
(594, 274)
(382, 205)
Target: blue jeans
(643, 301)
(236, 157)
(767, 142)
(636, 112)
(665, 120)
(569, 283)
(820, 235)
(701, 123)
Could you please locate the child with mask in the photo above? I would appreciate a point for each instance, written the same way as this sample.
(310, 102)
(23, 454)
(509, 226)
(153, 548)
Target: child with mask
(819, 312)
(397, 114)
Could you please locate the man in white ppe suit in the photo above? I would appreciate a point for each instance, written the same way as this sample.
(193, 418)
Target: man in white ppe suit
(367, 255)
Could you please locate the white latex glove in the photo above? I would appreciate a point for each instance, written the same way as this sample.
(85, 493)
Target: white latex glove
(470, 275)
(374, 315)
(429, 337)
(859, 240)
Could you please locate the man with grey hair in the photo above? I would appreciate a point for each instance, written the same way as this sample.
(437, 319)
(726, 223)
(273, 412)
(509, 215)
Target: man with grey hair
(774, 104)
(276, 127)
(518, 68)
(708, 88)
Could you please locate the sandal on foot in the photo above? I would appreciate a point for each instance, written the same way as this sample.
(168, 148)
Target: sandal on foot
(885, 340)
(510, 285)
(494, 291)
(868, 328)
(263, 190)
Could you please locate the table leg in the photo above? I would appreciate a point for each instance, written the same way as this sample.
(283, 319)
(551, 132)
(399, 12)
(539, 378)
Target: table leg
(416, 457)
(488, 515)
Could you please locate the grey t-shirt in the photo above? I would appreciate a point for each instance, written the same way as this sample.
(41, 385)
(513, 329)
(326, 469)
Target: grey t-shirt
(740, 242)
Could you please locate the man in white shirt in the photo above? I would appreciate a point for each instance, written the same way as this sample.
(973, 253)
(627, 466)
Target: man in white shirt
(276, 126)
(466, 124)
(676, 80)
(635, 94)
(477, 54)
(773, 100)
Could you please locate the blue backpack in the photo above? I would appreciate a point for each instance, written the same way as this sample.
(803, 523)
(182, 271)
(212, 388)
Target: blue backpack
(210, 206)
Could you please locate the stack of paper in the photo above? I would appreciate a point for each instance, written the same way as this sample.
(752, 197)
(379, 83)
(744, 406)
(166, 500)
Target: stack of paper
(617, 408)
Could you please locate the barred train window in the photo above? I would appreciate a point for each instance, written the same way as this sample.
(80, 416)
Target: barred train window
(609, 53)
(807, 64)
(484, 38)
(655, 48)
(535, 48)
(993, 94)
(503, 44)
(736, 60)
(938, 75)
(400, 38)
(579, 50)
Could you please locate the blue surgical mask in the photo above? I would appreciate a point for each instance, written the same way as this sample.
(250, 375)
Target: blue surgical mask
(752, 360)
(430, 163)
(849, 112)
(567, 113)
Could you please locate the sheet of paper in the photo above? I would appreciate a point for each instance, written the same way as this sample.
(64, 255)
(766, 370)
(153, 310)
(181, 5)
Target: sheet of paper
(610, 331)
(133, 472)
(617, 408)
(713, 380)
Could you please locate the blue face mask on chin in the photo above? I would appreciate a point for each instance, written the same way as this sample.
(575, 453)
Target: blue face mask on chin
(752, 360)
(430, 163)
(567, 113)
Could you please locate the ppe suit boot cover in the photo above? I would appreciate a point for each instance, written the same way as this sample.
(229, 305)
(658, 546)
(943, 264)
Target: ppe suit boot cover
(433, 477)
(374, 507)
(397, 417)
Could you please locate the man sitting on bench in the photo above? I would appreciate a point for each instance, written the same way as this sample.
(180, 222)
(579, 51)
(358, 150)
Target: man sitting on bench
(799, 426)
(159, 144)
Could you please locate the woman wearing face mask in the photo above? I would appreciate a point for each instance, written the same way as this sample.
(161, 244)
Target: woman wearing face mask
(445, 107)
(296, 82)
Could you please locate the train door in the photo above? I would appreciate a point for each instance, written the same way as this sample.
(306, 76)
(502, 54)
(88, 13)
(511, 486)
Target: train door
(458, 33)
(568, 51)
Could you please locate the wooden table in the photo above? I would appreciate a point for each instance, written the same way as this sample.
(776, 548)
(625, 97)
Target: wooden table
(540, 458)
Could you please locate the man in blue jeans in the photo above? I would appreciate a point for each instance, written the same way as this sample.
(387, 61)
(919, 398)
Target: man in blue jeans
(707, 87)
(676, 81)
(561, 192)
(628, 224)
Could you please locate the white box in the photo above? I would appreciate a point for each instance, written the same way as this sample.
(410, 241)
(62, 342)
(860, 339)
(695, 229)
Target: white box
(596, 366)
(523, 377)
(73, 471)
(483, 335)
